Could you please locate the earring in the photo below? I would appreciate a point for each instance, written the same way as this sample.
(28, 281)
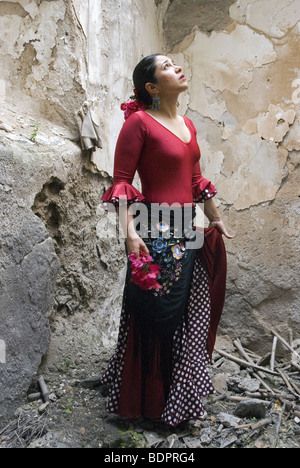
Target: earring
(156, 103)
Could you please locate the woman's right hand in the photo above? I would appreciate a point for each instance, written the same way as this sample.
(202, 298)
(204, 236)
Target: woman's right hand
(135, 245)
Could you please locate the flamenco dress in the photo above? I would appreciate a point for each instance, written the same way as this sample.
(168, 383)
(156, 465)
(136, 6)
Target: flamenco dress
(166, 336)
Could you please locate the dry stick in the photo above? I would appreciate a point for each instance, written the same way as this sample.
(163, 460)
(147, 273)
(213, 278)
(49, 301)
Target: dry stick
(291, 339)
(259, 375)
(286, 344)
(239, 346)
(291, 385)
(279, 425)
(44, 389)
(273, 355)
(259, 425)
(262, 423)
(239, 399)
(244, 363)
(293, 363)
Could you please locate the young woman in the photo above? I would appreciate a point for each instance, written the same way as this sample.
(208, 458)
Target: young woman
(167, 332)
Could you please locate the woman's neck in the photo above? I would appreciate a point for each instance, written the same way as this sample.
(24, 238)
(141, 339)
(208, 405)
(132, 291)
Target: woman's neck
(168, 107)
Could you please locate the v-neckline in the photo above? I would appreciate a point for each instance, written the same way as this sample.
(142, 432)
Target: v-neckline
(170, 131)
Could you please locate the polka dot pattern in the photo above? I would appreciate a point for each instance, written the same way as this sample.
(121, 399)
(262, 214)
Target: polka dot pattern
(190, 379)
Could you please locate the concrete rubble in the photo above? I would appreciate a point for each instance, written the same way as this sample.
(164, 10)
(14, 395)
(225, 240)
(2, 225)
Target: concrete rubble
(240, 415)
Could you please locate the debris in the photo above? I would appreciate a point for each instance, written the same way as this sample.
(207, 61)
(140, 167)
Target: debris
(44, 389)
(285, 343)
(279, 425)
(244, 363)
(220, 383)
(43, 408)
(275, 340)
(34, 396)
(253, 408)
(250, 409)
(22, 431)
(228, 420)
(91, 383)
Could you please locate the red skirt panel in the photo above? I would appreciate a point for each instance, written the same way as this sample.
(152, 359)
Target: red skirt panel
(171, 384)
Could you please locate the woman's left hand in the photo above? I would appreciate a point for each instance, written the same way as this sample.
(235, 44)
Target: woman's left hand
(221, 228)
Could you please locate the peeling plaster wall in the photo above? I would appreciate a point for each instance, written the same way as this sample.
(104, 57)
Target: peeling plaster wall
(55, 54)
(244, 99)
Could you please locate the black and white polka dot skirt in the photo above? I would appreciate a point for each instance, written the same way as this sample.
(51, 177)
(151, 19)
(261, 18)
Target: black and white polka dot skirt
(163, 375)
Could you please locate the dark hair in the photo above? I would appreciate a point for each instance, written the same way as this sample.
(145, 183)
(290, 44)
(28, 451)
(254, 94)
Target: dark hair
(145, 73)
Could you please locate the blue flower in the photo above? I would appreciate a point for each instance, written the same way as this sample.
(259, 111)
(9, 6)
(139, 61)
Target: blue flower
(160, 245)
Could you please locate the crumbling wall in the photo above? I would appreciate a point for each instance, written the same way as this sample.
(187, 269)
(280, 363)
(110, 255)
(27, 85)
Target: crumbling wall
(55, 272)
(244, 70)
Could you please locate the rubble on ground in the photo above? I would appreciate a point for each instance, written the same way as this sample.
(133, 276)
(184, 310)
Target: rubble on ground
(256, 405)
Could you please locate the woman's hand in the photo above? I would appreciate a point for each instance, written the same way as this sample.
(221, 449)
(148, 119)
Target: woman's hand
(221, 228)
(135, 245)
(212, 212)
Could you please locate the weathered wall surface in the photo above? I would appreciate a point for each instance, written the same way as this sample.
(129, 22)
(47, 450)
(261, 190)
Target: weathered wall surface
(55, 272)
(64, 51)
(243, 62)
(28, 270)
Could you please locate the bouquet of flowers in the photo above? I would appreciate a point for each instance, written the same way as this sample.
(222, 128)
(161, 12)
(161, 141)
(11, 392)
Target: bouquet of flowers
(144, 273)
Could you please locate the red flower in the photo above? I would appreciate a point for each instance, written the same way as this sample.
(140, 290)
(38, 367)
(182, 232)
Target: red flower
(144, 274)
(132, 106)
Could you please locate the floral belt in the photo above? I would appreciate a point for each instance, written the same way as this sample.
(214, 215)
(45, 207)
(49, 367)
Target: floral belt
(168, 254)
(168, 245)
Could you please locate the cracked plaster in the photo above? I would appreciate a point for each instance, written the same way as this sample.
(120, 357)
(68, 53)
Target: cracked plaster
(244, 99)
(241, 81)
(272, 17)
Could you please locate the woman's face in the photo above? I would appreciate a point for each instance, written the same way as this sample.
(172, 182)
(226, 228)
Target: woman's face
(170, 79)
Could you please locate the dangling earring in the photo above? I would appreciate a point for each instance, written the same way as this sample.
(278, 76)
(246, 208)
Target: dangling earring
(156, 103)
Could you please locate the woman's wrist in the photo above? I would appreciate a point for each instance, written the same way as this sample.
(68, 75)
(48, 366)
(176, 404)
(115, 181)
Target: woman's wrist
(132, 236)
(212, 212)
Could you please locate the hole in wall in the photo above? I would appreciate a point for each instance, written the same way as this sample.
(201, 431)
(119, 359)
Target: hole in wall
(47, 207)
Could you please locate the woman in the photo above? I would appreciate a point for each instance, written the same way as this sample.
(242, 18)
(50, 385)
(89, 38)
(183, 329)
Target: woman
(167, 333)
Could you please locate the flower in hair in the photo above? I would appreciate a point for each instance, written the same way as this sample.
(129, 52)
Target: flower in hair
(132, 106)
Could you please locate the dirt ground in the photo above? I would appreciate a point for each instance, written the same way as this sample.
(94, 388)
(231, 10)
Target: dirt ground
(76, 415)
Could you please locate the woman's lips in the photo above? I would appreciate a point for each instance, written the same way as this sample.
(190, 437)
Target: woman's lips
(182, 77)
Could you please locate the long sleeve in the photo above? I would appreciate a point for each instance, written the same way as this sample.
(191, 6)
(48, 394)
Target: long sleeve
(128, 151)
(203, 189)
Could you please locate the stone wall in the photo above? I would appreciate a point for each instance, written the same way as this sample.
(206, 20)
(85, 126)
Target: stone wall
(55, 273)
(242, 59)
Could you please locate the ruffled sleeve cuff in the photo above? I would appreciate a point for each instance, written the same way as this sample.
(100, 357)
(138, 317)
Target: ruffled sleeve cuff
(203, 190)
(121, 191)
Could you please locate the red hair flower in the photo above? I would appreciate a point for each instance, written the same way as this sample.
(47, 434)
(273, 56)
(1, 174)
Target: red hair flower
(132, 106)
(144, 274)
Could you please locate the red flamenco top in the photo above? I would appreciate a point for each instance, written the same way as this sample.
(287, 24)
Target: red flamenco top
(168, 167)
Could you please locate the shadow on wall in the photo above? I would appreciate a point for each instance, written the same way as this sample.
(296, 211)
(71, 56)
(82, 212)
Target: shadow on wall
(182, 16)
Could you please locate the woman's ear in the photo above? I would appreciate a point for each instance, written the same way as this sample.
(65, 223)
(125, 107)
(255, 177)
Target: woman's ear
(152, 89)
